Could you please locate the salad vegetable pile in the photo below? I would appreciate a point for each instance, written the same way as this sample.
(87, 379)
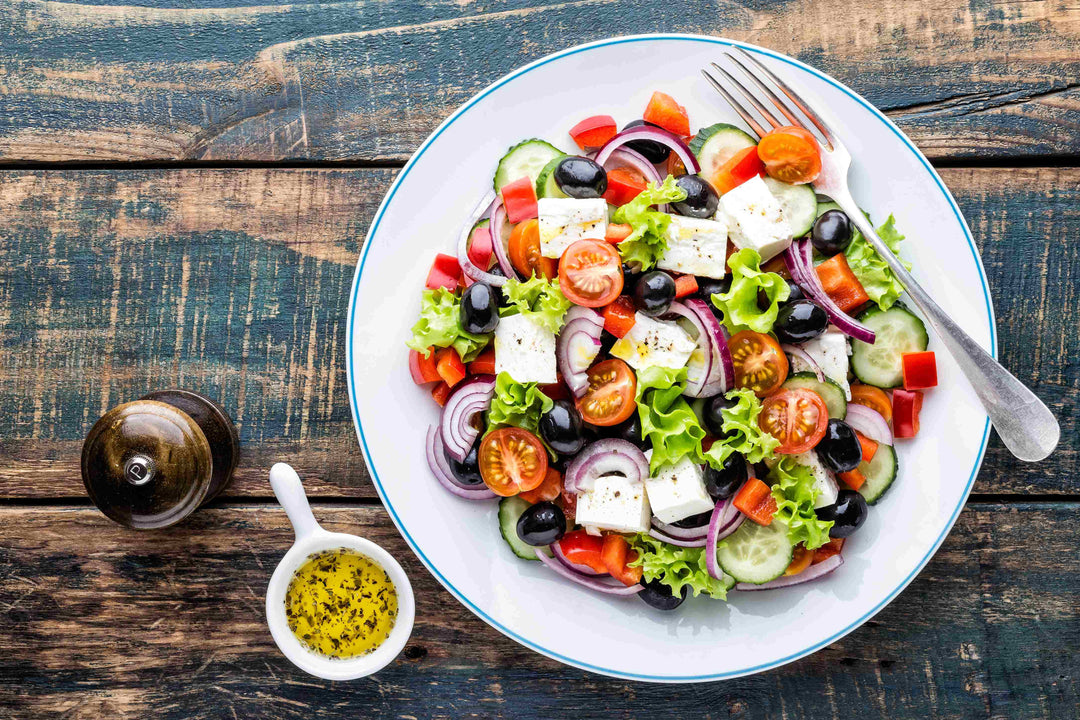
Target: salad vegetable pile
(680, 369)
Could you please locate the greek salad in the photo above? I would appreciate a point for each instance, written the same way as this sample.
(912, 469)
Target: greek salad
(676, 368)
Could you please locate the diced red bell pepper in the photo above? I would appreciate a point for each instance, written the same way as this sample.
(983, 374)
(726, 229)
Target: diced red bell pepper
(906, 405)
(826, 551)
(449, 366)
(742, 166)
(581, 548)
(617, 232)
(623, 185)
(920, 370)
(869, 447)
(480, 247)
(557, 390)
(423, 368)
(756, 502)
(619, 316)
(484, 364)
(593, 132)
(854, 479)
(445, 272)
(840, 283)
(662, 110)
(616, 553)
(519, 198)
(685, 285)
(441, 392)
(550, 489)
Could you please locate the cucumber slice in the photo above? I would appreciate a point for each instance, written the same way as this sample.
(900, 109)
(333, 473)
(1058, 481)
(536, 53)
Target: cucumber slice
(756, 553)
(799, 203)
(510, 510)
(879, 472)
(830, 392)
(527, 158)
(898, 331)
(545, 181)
(717, 144)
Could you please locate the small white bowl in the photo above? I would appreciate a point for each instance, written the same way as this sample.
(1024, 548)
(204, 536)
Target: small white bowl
(310, 539)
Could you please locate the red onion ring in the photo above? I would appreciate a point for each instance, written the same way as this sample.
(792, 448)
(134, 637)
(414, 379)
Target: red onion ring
(811, 573)
(869, 422)
(625, 157)
(578, 345)
(606, 457)
(695, 533)
(556, 548)
(455, 427)
(690, 543)
(697, 376)
(711, 538)
(498, 218)
(722, 378)
(467, 265)
(440, 468)
(648, 132)
(799, 261)
(806, 358)
(609, 586)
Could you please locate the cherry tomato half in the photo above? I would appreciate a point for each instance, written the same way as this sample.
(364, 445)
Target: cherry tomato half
(610, 398)
(590, 273)
(512, 460)
(873, 398)
(791, 155)
(797, 418)
(760, 364)
(525, 251)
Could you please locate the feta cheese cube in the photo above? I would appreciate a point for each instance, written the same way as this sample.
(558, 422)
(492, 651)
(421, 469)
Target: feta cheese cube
(614, 503)
(830, 351)
(696, 247)
(755, 219)
(824, 480)
(525, 349)
(653, 343)
(566, 220)
(678, 491)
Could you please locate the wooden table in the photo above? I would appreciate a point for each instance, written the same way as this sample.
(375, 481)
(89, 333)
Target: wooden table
(185, 188)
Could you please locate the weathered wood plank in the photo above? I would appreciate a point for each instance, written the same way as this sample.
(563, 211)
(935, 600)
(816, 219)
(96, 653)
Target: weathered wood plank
(99, 621)
(113, 283)
(363, 80)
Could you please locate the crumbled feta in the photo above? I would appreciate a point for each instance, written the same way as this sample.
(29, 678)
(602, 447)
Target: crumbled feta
(652, 342)
(525, 349)
(830, 351)
(614, 503)
(566, 220)
(678, 491)
(756, 219)
(696, 247)
(824, 480)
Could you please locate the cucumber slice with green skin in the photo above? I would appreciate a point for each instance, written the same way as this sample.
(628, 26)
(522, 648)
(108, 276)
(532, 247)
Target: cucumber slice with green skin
(756, 553)
(479, 224)
(879, 473)
(897, 331)
(510, 510)
(830, 392)
(546, 187)
(526, 159)
(717, 144)
(799, 203)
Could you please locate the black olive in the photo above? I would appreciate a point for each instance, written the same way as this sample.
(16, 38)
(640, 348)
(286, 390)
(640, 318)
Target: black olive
(580, 177)
(562, 428)
(479, 309)
(831, 233)
(541, 524)
(630, 430)
(606, 341)
(701, 200)
(653, 151)
(467, 471)
(839, 450)
(654, 293)
(658, 595)
(794, 291)
(694, 521)
(799, 321)
(714, 420)
(722, 484)
(629, 270)
(847, 513)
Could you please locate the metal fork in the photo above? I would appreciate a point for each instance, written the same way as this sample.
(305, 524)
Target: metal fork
(1023, 422)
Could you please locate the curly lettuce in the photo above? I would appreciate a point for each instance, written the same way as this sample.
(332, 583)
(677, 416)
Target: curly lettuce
(538, 298)
(742, 434)
(440, 326)
(667, 420)
(517, 404)
(648, 241)
(871, 270)
(676, 567)
(739, 304)
(795, 494)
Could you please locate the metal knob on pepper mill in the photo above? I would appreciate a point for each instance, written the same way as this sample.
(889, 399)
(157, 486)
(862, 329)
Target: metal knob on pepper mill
(152, 462)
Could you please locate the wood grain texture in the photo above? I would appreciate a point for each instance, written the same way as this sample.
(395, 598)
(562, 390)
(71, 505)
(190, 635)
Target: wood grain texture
(234, 283)
(229, 80)
(103, 622)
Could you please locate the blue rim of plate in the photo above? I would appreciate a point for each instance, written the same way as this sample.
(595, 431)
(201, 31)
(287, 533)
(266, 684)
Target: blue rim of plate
(360, 430)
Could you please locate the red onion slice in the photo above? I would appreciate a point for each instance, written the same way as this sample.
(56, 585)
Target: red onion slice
(556, 548)
(578, 345)
(467, 265)
(722, 377)
(711, 563)
(800, 265)
(806, 358)
(469, 398)
(625, 157)
(691, 543)
(698, 374)
(695, 533)
(440, 468)
(609, 586)
(648, 132)
(811, 573)
(606, 457)
(869, 422)
(498, 219)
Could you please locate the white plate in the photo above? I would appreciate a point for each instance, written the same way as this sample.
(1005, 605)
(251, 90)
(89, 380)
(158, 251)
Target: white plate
(459, 541)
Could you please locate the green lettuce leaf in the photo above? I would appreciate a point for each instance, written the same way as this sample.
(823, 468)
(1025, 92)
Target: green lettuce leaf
(440, 326)
(667, 420)
(647, 243)
(740, 303)
(517, 404)
(675, 567)
(741, 432)
(794, 492)
(871, 270)
(538, 298)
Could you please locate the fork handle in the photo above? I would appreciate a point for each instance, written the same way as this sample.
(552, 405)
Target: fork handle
(1023, 422)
